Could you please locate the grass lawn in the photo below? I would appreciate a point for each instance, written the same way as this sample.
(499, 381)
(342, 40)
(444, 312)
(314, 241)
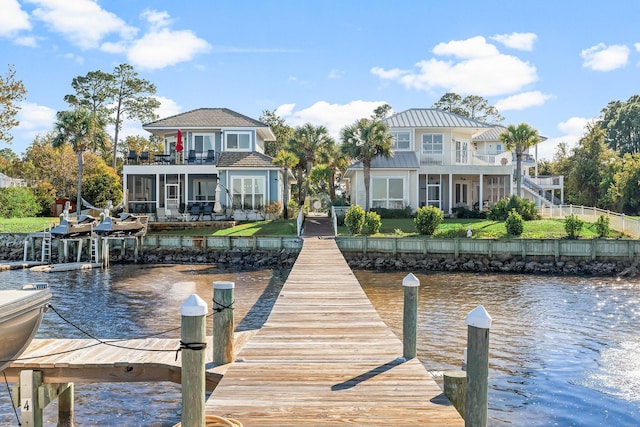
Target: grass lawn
(482, 228)
(540, 229)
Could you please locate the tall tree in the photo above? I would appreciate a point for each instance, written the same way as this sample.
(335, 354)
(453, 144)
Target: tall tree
(621, 121)
(363, 141)
(12, 91)
(471, 106)
(281, 130)
(114, 97)
(518, 139)
(77, 128)
(589, 163)
(312, 145)
(381, 112)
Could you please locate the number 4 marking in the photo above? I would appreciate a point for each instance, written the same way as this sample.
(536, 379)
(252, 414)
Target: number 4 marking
(26, 405)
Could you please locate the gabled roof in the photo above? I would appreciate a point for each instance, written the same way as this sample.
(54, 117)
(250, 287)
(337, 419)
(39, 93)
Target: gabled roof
(431, 117)
(239, 159)
(205, 118)
(492, 134)
(400, 160)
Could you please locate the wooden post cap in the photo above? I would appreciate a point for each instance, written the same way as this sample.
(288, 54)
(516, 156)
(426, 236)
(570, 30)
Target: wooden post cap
(410, 280)
(479, 318)
(194, 306)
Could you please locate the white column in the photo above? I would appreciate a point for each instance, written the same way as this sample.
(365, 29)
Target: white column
(450, 194)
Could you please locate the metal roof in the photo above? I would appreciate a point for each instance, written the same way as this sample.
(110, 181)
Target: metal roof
(400, 160)
(431, 117)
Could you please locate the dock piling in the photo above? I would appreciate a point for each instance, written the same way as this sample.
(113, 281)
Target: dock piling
(193, 345)
(410, 319)
(223, 322)
(476, 399)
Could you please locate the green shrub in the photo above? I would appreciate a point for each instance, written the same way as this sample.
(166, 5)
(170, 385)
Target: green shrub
(372, 224)
(602, 226)
(18, 202)
(394, 213)
(514, 223)
(427, 219)
(573, 226)
(354, 219)
(340, 201)
(292, 208)
(526, 208)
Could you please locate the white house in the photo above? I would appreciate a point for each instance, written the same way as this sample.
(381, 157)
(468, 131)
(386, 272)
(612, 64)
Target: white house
(221, 166)
(445, 160)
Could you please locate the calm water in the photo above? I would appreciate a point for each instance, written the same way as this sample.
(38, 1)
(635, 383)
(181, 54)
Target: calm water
(564, 351)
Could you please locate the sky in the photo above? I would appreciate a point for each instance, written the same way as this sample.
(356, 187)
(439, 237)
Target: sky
(552, 64)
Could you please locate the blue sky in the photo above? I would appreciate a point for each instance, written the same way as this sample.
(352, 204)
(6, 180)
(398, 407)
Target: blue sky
(552, 64)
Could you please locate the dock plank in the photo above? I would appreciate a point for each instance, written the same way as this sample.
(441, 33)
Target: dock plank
(324, 357)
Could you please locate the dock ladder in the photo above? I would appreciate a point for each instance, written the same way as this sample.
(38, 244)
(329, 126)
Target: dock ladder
(46, 244)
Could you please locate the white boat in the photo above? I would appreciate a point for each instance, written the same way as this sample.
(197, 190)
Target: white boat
(21, 312)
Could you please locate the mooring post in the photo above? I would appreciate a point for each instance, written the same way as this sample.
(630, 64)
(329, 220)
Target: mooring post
(476, 399)
(454, 383)
(223, 322)
(65, 407)
(193, 345)
(410, 319)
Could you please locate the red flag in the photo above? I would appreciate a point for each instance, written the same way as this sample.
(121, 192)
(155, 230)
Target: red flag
(179, 146)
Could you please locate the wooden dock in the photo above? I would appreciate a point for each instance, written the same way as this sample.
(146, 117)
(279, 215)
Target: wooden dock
(324, 357)
(88, 361)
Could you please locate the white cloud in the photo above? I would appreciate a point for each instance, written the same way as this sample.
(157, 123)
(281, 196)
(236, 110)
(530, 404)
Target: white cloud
(520, 41)
(163, 48)
(605, 58)
(333, 116)
(523, 101)
(571, 131)
(12, 18)
(637, 46)
(335, 74)
(481, 70)
(157, 19)
(83, 22)
(168, 107)
(34, 120)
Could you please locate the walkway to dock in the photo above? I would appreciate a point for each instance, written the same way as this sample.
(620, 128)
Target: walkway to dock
(324, 357)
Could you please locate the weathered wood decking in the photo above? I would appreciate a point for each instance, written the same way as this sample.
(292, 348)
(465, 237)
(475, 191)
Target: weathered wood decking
(87, 361)
(325, 357)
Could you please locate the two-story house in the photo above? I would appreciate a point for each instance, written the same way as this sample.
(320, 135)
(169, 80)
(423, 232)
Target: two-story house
(212, 157)
(444, 160)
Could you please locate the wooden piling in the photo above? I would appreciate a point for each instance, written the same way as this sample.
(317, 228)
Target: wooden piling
(455, 385)
(476, 400)
(193, 345)
(29, 408)
(223, 297)
(410, 319)
(65, 407)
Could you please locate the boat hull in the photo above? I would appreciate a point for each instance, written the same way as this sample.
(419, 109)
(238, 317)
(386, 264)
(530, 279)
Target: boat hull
(21, 312)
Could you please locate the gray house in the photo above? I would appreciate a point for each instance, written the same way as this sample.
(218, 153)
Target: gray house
(212, 158)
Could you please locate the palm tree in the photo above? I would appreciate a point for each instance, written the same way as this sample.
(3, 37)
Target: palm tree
(519, 138)
(363, 141)
(310, 144)
(82, 130)
(286, 160)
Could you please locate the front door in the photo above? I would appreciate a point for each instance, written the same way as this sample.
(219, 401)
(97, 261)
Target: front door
(462, 194)
(172, 196)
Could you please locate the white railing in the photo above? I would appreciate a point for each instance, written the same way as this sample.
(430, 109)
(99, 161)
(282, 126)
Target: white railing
(469, 157)
(617, 221)
(334, 220)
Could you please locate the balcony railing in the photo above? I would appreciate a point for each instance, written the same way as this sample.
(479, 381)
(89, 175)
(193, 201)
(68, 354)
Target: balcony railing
(469, 157)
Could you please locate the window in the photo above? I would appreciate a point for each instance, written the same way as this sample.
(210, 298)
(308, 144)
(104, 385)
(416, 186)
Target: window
(240, 141)
(432, 143)
(401, 141)
(202, 143)
(248, 193)
(387, 193)
(204, 188)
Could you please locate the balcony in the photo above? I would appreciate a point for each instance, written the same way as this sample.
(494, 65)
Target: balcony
(467, 157)
(190, 157)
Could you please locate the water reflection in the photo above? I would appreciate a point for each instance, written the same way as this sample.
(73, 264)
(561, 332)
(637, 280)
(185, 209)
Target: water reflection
(130, 302)
(563, 351)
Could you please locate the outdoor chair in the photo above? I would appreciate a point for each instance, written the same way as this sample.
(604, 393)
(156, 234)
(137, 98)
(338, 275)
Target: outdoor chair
(144, 157)
(207, 211)
(194, 212)
(211, 155)
(132, 158)
(191, 159)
